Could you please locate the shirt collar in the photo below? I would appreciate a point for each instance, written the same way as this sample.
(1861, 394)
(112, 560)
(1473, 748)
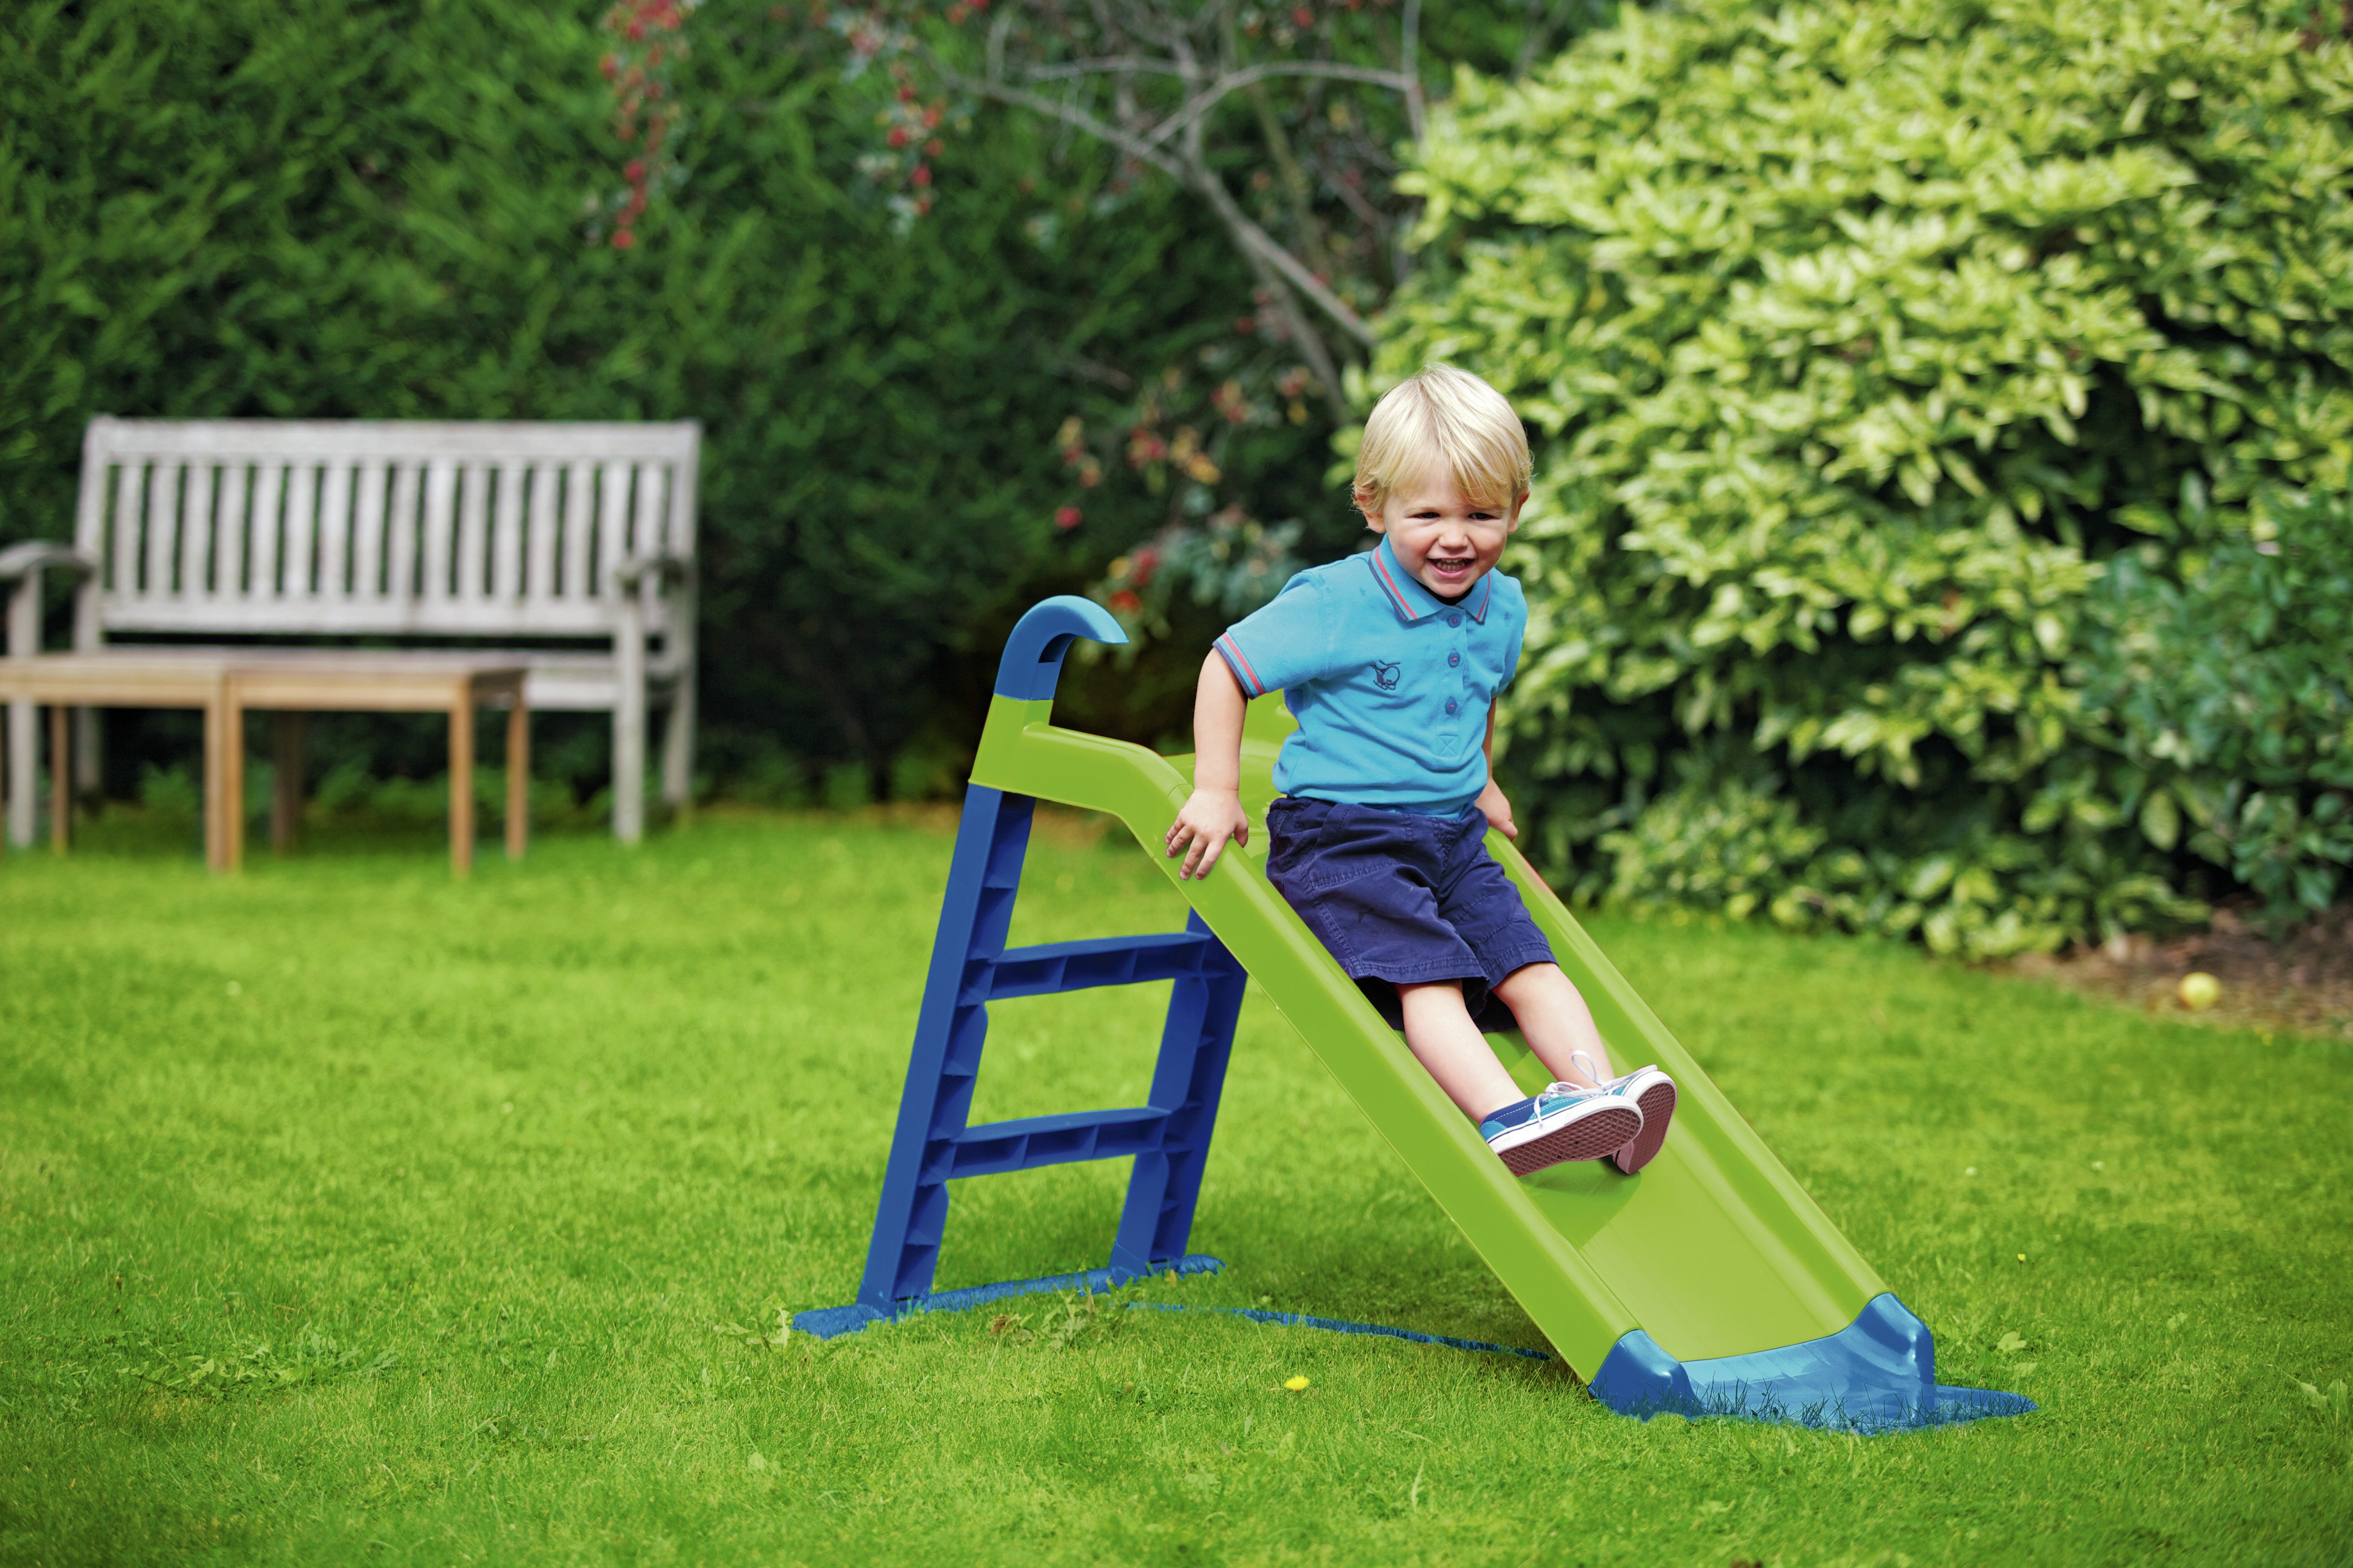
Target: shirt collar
(1412, 600)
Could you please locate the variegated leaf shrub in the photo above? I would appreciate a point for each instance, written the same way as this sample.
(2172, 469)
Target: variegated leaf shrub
(1945, 412)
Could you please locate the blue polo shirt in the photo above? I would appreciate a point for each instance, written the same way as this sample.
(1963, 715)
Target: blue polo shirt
(1391, 683)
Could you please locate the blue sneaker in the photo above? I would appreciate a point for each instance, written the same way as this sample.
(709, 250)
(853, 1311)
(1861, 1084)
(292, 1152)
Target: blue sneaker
(1563, 1123)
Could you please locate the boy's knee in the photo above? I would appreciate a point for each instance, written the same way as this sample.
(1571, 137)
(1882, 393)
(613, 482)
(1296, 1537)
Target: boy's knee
(1533, 977)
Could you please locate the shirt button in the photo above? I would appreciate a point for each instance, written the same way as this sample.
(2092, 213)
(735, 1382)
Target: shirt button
(1454, 658)
(1449, 705)
(1455, 619)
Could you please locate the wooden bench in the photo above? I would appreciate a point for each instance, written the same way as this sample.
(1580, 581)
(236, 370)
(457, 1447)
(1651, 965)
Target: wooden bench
(536, 542)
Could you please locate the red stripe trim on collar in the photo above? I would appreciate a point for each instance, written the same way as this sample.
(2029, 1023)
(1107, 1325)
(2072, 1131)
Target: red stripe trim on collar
(1486, 592)
(1381, 574)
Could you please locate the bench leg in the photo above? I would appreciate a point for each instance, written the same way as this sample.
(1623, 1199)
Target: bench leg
(518, 778)
(89, 751)
(285, 766)
(630, 764)
(629, 722)
(677, 745)
(61, 776)
(461, 782)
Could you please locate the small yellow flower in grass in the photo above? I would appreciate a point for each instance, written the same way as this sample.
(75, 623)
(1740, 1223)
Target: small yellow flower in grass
(2199, 991)
(2022, 1258)
(1296, 1385)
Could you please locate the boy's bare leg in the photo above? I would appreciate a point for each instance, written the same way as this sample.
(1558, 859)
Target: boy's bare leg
(1554, 1020)
(1438, 1031)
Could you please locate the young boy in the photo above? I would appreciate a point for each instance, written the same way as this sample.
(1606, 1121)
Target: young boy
(1390, 660)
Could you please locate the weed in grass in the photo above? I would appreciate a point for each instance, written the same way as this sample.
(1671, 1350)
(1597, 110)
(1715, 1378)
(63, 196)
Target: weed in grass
(2330, 1408)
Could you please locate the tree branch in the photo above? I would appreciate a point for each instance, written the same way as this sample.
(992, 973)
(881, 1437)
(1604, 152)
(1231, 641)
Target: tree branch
(1200, 177)
(1302, 333)
(1261, 243)
(1070, 115)
(1138, 63)
(1396, 81)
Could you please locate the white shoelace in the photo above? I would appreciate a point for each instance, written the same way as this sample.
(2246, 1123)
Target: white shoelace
(1584, 1064)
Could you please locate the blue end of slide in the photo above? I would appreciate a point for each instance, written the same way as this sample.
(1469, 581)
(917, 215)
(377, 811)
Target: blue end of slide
(1876, 1374)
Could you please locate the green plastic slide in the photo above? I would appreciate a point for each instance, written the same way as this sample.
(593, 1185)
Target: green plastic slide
(1713, 1250)
(1708, 1284)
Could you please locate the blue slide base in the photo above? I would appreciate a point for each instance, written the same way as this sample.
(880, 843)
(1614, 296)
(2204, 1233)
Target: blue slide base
(1876, 1374)
(827, 1323)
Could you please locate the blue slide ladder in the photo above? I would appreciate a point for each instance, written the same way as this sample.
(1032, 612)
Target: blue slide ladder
(971, 967)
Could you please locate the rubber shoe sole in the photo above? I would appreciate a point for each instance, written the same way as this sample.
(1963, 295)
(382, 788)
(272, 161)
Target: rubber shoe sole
(1657, 1099)
(1588, 1132)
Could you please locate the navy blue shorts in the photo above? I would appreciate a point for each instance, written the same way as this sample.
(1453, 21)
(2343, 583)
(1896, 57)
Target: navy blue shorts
(1400, 898)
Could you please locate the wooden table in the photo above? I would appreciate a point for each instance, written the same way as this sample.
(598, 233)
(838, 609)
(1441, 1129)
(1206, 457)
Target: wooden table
(123, 680)
(225, 683)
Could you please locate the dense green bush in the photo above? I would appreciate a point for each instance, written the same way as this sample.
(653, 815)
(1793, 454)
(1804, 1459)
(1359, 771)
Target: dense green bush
(384, 208)
(1948, 407)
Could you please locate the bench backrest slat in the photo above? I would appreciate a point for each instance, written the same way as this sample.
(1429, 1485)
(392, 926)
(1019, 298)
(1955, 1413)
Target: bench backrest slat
(263, 527)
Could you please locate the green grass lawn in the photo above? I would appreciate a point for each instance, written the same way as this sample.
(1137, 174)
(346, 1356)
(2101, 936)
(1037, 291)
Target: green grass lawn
(350, 1215)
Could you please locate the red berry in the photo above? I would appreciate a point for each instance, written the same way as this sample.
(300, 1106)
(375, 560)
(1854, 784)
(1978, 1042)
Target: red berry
(1126, 603)
(623, 239)
(897, 137)
(1066, 517)
(922, 176)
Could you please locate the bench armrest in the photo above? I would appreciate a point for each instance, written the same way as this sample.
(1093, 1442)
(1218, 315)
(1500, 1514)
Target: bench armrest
(23, 564)
(30, 558)
(662, 566)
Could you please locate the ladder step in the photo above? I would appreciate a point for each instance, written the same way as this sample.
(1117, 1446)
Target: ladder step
(1058, 966)
(1035, 1141)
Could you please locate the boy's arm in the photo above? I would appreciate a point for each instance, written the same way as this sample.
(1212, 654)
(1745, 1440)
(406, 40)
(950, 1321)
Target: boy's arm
(1491, 801)
(1213, 813)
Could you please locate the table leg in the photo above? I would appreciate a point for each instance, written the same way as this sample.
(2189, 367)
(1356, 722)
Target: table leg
(60, 780)
(24, 741)
(216, 731)
(286, 780)
(232, 798)
(461, 781)
(518, 777)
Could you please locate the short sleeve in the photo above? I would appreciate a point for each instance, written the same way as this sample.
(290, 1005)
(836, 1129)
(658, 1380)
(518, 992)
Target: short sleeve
(1285, 643)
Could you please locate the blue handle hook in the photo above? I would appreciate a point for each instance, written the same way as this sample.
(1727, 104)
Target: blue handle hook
(1033, 654)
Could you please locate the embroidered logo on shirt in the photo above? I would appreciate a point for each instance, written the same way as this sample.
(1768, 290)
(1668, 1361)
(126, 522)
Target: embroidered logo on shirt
(1385, 676)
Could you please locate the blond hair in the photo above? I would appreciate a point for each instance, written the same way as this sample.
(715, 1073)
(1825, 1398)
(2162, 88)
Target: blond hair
(1454, 413)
